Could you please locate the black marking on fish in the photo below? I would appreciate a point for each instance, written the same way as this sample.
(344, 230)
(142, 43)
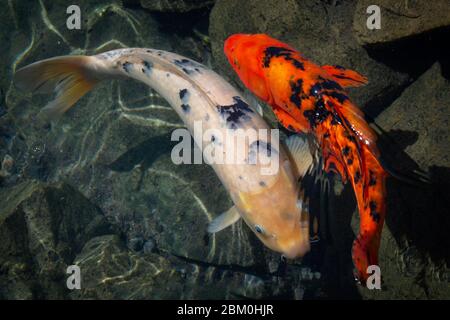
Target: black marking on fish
(213, 138)
(183, 93)
(350, 161)
(188, 66)
(346, 150)
(186, 108)
(350, 137)
(235, 113)
(297, 92)
(126, 66)
(336, 118)
(323, 85)
(341, 97)
(339, 67)
(147, 64)
(286, 53)
(315, 90)
(167, 75)
(262, 184)
(373, 213)
(330, 85)
(372, 178)
(357, 177)
(318, 114)
(147, 67)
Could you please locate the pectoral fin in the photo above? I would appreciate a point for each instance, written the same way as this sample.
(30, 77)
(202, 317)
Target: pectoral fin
(300, 153)
(225, 220)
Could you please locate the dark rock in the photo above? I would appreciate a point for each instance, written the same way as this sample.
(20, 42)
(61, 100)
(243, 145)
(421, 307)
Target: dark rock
(175, 5)
(423, 108)
(400, 19)
(149, 246)
(110, 271)
(136, 244)
(42, 228)
(414, 256)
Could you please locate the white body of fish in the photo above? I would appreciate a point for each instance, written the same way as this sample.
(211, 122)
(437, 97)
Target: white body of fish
(268, 203)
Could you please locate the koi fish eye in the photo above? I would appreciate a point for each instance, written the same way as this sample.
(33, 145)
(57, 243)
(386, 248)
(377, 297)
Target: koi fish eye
(259, 229)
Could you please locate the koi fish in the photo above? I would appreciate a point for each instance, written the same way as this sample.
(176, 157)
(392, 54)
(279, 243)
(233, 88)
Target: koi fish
(308, 98)
(268, 203)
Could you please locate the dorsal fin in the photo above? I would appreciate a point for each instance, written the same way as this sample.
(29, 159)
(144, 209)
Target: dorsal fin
(345, 77)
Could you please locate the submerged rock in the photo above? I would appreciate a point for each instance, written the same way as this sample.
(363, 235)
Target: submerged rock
(400, 19)
(175, 5)
(423, 109)
(414, 256)
(42, 228)
(111, 271)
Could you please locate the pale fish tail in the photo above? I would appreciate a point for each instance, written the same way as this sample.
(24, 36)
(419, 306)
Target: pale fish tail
(70, 77)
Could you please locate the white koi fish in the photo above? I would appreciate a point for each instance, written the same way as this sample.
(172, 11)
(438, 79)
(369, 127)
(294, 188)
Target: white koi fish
(268, 203)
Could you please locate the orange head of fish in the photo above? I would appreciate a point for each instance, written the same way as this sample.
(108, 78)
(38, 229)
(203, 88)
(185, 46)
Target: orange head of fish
(245, 55)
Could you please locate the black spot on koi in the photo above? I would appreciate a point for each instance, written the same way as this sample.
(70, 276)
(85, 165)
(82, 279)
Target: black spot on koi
(188, 66)
(235, 113)
(357, 177)
(271, 52)
(340, 97)
(183, 93)
(373, 213)
(318, 114)
(126, 66)
(372, 178)
(147, 67)
(346, 151)
(186, 108)
(297, 92)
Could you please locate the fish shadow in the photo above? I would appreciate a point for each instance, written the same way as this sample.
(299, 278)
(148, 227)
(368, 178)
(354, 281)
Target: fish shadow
(338, 270)
(143, 155)
(417, 213)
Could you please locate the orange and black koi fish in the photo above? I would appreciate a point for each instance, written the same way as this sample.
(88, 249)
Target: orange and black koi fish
(308, 98)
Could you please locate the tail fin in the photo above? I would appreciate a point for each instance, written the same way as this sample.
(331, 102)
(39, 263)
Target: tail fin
(68, 76)
(350, 149)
